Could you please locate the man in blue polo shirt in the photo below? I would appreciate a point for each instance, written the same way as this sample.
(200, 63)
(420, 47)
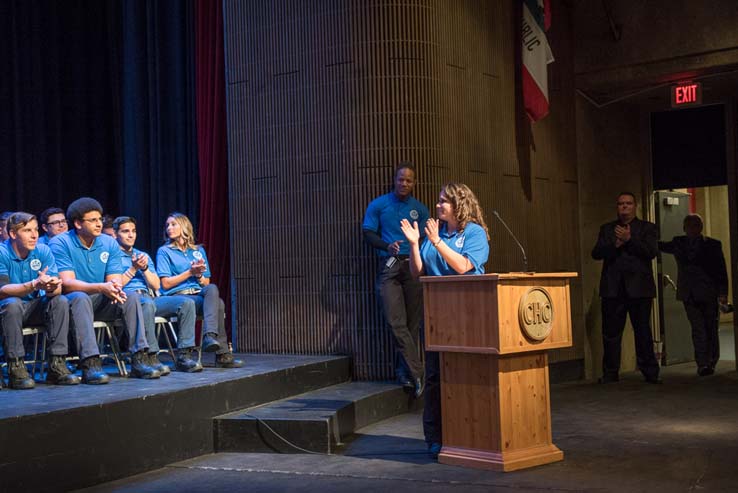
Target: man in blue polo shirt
(53, 222)
(401, 295)
(140, 276)
(90, 267)
(29, 294)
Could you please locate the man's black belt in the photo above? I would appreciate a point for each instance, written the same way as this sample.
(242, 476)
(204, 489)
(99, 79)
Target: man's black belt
(402, 257)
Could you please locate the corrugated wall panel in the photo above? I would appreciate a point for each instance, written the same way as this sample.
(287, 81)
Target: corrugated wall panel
(324, 99)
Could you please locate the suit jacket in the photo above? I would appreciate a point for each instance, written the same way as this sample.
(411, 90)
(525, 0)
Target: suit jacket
(702, 274)
(627, 270)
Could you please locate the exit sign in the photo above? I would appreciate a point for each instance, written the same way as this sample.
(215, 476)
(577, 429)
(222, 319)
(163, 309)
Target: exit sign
(686, 94)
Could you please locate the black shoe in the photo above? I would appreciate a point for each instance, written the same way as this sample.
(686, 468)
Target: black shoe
(18, 377)
(140, 368)
(434, 449)
(185, 362)
(419, 387)
(210, 344)
(92, 371)
(59, 374)
(608, 379)
(153, 362)
(405, 381)
(227, 360)
(654, 380)
(705, 371)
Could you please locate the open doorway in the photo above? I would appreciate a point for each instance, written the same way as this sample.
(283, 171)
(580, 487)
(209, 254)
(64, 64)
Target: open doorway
(689, 175)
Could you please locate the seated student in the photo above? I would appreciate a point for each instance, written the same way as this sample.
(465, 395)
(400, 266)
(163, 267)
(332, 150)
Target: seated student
(53, 222)
(183, 269)
(90, 267)
(107, 222)
(140, 276)
(30, 295)
(3, 221)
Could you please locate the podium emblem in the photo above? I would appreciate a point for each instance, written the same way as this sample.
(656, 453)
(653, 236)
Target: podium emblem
(535, 313)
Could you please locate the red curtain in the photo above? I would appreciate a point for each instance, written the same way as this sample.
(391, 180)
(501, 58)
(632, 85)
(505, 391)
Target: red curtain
(213, 226)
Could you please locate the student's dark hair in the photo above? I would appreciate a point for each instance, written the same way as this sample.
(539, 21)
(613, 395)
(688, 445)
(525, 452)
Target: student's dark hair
(18, 220)
(122, 220)
(5, 215)
(44, 217)
(405, 165)
(80, 207)
(635, 200)
(107, 221)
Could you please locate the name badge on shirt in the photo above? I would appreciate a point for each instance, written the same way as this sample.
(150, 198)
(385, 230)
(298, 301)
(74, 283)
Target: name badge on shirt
(35, 264)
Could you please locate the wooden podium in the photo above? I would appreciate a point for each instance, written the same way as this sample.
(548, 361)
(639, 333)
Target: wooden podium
(493, 332)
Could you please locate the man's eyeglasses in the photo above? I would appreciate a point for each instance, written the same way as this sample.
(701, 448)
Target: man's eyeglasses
(58, 222)
(94, 220)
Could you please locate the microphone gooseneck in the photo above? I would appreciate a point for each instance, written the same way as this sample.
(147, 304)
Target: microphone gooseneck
(522, 250)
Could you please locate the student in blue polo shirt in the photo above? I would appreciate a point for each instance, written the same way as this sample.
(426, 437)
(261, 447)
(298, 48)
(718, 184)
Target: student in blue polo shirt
(90, 267)
(456, 243)
(400, 294)
(140, 276)
(30, 294)
(183, 268)
(53, 222)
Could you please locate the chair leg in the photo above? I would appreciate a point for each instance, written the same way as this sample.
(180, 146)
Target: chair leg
(116, 352)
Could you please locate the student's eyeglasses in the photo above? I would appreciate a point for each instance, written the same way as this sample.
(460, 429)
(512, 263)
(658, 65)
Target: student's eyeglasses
(94, 220)
(58, 222)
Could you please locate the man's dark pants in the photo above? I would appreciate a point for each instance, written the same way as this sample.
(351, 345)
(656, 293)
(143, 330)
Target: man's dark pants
(614, 311)
(704, 318)
(402, 303)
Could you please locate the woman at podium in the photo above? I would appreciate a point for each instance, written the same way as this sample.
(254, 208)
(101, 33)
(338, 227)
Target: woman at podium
(457, 242)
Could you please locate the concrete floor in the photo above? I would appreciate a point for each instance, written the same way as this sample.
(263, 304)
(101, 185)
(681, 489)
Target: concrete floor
(624, 437)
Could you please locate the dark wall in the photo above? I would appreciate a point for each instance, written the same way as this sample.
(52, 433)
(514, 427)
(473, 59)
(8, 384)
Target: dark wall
(324, 99)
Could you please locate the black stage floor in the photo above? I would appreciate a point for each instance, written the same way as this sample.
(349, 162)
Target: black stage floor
(58, 438)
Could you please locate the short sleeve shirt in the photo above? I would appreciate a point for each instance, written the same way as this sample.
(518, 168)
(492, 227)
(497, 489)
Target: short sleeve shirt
(92, 264)
(20, 270)
(383, 216)
(138, 281)
(171, 261)
(471, 243)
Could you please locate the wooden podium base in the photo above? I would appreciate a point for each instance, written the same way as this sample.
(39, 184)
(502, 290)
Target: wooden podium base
(504, 462)
(496, 411)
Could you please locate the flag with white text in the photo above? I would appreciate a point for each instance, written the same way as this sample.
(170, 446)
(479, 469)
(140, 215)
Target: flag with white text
(536, 57)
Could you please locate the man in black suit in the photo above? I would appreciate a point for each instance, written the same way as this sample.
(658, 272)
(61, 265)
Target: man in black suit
(702, 284)
(627, 246)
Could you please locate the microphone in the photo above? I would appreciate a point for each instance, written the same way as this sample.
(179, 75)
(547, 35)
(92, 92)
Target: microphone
(525, 258)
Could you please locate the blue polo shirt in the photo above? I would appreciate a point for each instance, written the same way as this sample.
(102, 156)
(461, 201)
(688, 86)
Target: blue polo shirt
(88, 264)
(138, 281)
(383, 216)
(20, 270)
(471, 243)
(43, 240)
(172, 261)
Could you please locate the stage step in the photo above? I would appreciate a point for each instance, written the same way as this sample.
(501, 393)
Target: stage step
(316, 421)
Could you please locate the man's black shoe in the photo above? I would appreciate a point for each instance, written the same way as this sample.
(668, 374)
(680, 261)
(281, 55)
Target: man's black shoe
(92, 371)
(405, 381)
(608, 379)
(139, 368)
(59, 374)
(655, 380)
(227, 360)
(153, 361)
(18, 377)
(705, 371)
(419, 387)
(185, 362)
(210, 344)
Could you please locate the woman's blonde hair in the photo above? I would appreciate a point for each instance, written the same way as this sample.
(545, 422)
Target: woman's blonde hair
(465, 204)
(188, 232)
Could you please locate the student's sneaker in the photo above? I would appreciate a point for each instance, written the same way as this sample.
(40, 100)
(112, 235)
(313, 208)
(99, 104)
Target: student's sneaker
(18, 377)
(185, 362)
(59, 374)
(92, 371)
(227, 360)
(140, 368)
(153, 361)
